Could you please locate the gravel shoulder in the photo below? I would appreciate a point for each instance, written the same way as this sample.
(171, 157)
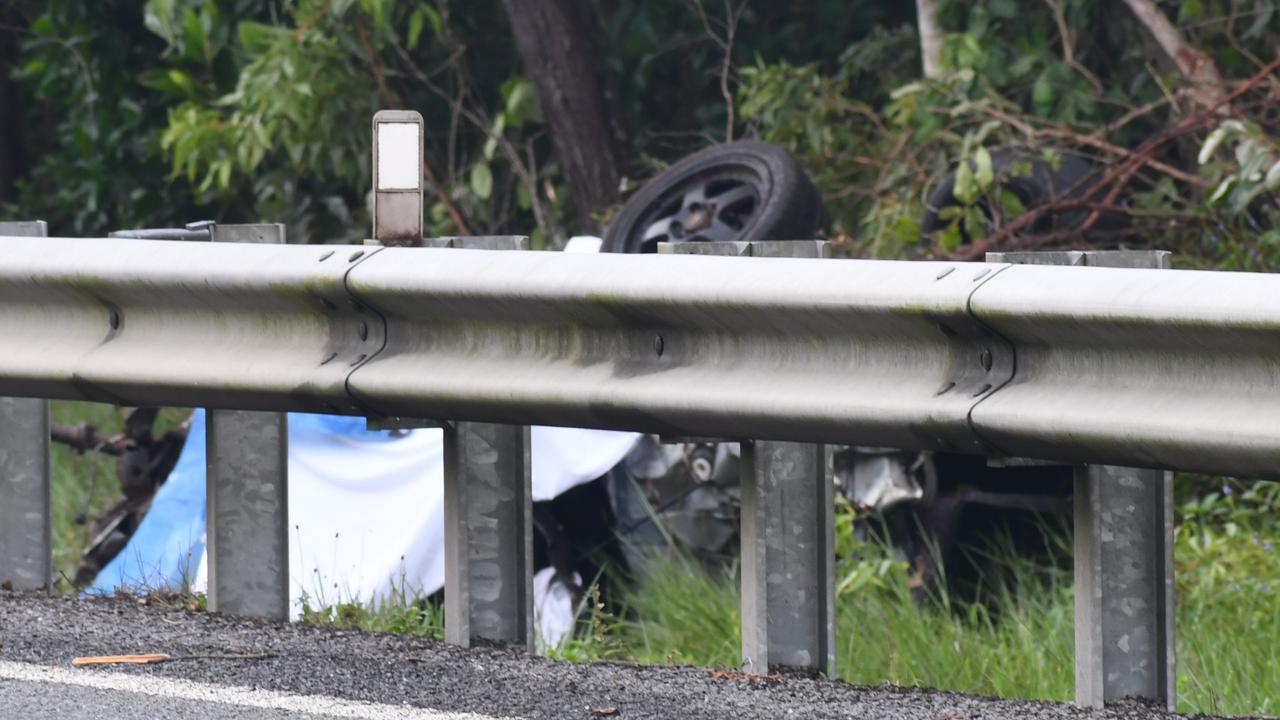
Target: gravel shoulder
(391, 669)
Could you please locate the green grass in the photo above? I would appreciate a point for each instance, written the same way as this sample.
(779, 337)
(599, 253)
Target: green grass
(72, 476)
(399, 613)
(1019, 644)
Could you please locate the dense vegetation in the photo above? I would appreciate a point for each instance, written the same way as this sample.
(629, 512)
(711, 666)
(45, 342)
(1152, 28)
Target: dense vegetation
(119, 113)
(165, 111)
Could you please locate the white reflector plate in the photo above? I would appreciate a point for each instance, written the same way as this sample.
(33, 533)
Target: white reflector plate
(398, 156)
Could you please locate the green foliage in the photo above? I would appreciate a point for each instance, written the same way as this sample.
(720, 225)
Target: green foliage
(1223, 503)
(270, 136)
(241, 110)
(86, 78)
(83, 485)
(1012, 80)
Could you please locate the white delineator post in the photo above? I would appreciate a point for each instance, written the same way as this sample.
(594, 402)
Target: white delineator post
(397, 177)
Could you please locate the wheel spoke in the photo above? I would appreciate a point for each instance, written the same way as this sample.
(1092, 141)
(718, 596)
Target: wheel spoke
(658, 229)
(733, 195)
(720, 232)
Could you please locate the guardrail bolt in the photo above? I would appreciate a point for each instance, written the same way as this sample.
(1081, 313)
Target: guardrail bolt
(363, 332)
(113, 317)
(985, 359)
(658, 345)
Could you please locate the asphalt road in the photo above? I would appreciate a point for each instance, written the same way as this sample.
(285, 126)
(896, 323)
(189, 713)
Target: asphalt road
(47, 697)
(302, 671)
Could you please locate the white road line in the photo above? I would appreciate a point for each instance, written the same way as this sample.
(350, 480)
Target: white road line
(224, 694)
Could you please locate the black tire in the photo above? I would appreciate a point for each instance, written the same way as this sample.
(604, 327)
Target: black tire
(1035, 182)
(740, 191)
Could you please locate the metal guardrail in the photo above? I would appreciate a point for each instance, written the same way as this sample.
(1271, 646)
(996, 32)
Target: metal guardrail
(1070, 364)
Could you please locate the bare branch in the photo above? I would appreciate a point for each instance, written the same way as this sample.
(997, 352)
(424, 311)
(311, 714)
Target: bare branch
(732, 16)
(390, 100)
(1200, 71)
(483, 123)
(1068, 44)
(1116, 179)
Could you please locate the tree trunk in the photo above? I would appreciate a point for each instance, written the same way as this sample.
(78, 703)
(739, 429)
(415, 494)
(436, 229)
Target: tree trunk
(556, 46)
(10, 136)
(930, 37)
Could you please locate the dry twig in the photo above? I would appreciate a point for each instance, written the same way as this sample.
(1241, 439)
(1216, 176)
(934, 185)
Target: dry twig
(732, 16)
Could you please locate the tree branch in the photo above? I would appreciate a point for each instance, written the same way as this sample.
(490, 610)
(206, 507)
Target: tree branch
(1200, 71)
(1068, 45)
(732, 15)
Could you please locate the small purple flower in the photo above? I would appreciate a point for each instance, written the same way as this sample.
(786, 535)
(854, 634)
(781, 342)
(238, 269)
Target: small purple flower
(1226, 489)
(1255, 540)
(1266, 547)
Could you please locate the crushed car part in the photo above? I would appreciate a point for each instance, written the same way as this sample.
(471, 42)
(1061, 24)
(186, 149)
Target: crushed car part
(1036, 178)
(143, 462)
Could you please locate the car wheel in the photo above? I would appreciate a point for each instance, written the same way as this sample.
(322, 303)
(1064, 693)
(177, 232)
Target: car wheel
(739, 191)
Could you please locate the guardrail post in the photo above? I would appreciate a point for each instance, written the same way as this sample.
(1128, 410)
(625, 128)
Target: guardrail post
(788, 542)
(488, 515)
(488, 534)
(788, 560)
(26, 536)
(247, 517)
(1124, 624)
